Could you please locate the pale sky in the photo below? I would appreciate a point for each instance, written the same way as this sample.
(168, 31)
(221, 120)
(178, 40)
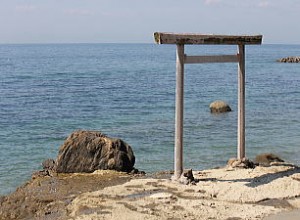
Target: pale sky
(134, 21)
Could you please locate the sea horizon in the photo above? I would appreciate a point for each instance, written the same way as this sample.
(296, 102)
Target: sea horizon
(76, 43)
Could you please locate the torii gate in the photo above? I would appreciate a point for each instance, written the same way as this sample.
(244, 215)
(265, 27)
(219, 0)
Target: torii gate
(180, 40)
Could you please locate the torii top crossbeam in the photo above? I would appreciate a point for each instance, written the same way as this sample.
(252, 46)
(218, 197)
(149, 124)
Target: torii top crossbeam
(172, 38)
(180, 40)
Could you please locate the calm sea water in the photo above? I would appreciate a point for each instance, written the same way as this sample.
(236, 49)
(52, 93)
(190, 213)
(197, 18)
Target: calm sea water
(128, 91)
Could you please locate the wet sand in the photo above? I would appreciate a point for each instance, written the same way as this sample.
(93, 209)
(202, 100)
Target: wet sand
(47, 197)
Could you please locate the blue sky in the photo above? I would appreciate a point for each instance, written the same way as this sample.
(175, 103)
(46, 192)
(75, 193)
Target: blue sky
(102, 21)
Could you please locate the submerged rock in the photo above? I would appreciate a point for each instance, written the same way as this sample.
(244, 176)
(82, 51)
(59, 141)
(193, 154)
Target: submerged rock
(219, 107)
(87, 151)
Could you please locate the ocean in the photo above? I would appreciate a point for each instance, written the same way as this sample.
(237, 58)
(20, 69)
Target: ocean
(127, 91)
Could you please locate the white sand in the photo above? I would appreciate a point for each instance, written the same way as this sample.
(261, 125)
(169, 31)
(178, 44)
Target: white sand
(220, 194)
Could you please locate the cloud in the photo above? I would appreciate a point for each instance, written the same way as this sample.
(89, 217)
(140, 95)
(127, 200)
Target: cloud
(25, 8)
(78, 12)
(211, 2)
(263, 4)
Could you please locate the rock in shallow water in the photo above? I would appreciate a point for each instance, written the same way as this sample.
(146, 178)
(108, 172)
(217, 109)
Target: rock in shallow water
(87, 151)
(219, 107)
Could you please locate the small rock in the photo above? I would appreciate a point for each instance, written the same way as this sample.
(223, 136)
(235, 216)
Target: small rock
(295, 59)
(219, 107)
(267, 158)
(187, 177)
(49, 164)
(135, 171)
(40, 173)
(243, 163)
(231, 161)
(2, 199)
(49, 169)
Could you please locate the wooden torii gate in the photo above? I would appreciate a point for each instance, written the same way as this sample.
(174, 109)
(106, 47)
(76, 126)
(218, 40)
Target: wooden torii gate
(180, 40)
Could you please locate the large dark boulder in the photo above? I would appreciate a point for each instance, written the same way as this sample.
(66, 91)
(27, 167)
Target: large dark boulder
(87, 151)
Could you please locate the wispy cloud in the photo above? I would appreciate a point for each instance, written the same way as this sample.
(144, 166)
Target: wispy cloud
(211, 2)
(25, 8)
(263, 4)
(78, 12)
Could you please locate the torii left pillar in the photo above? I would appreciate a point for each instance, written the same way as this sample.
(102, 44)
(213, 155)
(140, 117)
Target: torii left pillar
(180, 40)
(178, 150)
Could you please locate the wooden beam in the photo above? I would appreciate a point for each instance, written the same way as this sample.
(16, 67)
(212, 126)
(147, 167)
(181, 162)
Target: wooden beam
(241, 102)
(180, 40)
(178, 151)
(211, 59)
(174, 38)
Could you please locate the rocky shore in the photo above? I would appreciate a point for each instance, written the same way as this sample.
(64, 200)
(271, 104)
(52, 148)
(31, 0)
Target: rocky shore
(93, 178)
(87, 161)
(224, 193)
(47, 197)
(289, 60)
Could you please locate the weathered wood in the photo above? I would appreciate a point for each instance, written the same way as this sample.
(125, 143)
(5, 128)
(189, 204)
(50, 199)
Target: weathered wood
(178, 153)
(180, 40)
(173, 38)
(211, 59)
(241, 102)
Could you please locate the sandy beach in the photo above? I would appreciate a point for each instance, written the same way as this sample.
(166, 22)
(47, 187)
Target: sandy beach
(223, 193)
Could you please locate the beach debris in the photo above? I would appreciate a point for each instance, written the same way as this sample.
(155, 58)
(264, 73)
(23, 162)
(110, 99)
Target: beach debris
(267, 158)
(241, 163)
(219, 107)
(87, 151)
(293, 59)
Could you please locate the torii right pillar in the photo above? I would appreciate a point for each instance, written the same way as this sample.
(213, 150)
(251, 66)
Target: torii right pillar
(241, 102)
